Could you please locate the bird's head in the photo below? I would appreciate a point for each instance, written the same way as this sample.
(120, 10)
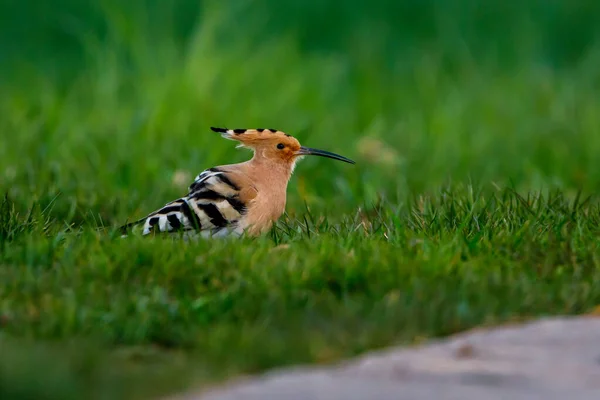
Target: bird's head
(275, 145)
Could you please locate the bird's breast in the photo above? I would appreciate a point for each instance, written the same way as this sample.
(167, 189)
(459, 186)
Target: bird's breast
(263, 211)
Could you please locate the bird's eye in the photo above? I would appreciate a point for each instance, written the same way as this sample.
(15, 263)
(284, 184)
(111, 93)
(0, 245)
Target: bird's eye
(280, 146)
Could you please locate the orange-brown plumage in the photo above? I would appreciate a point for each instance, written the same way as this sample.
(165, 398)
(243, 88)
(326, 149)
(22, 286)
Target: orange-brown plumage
(245, 198)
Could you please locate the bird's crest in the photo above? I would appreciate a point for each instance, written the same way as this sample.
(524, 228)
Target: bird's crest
(251, 135)
(263, 138)
(274, 144)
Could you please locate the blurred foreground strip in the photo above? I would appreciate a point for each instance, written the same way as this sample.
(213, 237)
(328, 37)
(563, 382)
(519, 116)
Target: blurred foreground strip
(547, 359)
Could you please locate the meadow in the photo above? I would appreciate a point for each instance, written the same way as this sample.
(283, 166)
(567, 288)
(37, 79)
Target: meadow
(473, 202)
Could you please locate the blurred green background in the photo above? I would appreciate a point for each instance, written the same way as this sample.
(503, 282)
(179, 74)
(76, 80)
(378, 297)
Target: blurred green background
(109, 102)
(105, 109)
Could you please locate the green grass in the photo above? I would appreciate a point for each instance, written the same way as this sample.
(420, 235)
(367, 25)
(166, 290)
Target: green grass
(473, 200)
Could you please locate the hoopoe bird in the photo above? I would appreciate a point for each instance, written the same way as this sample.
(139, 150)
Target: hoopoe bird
(236, 199)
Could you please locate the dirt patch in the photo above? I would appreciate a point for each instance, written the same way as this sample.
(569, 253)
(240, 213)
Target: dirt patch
(555, 358)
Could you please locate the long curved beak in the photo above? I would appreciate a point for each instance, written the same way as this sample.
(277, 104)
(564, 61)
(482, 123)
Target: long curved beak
(307, 151)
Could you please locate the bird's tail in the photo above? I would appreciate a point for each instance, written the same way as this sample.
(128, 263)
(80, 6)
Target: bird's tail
(127, 227)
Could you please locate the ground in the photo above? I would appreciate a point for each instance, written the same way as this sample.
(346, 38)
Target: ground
(472, 202)
(548, 359)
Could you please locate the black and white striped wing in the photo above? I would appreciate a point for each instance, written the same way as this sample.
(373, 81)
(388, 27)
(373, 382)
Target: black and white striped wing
(212, 208)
